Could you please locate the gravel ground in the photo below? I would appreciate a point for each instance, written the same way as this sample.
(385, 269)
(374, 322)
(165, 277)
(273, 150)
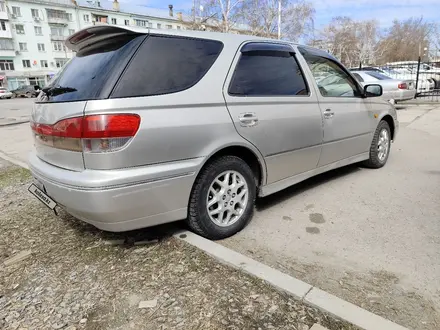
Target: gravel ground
(77, 277)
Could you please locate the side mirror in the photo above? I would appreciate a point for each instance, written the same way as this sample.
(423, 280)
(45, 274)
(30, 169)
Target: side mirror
(373, 90)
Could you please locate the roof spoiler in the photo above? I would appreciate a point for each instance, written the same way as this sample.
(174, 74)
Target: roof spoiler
(92, 34)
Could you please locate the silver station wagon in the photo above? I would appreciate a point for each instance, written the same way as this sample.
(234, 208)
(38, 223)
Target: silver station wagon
(144, 127)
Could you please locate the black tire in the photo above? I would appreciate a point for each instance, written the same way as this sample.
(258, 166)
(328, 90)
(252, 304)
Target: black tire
(374, 160)
(198, 218)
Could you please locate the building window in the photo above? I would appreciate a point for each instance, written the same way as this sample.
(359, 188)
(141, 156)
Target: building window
(6, 44)
(71, 31)
(179, 27)
(44, 64)
(59, 63)
(114, 21)
(86, 18)
(26, 63)
(99, 18)
(2, 6)
(127, 22)
(159, 26)
(35, 13)
(70, 17)
(22, 46)
(57, 31)
(38, 31)
(58, 46)
(41, 48)
(16, 11)
(150, 25)
(169, 26)
(7, 65)
(19, 28)
(3, 25)
(140, 22)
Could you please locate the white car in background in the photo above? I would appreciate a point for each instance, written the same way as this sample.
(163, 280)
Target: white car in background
(5, 94)
(426, 84)
(395, 90)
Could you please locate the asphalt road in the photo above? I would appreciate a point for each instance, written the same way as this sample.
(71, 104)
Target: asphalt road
(371, 237)
(15, 110)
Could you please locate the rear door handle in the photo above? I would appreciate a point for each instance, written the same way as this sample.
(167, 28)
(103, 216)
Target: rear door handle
(328, 113)
(248, 119)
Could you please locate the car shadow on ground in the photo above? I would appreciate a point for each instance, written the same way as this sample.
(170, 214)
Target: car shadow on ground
(292, 191)
(165, 231)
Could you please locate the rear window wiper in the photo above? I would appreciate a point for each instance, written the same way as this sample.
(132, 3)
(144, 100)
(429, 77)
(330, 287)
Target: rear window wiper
(57, 90)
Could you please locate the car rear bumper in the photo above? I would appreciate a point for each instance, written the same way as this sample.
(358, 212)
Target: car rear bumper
(121, 200)
(404, 95)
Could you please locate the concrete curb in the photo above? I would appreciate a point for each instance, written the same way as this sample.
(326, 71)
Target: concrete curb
(297, 288)
(13, 160)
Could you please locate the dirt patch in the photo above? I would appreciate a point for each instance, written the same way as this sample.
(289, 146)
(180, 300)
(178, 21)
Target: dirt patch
(78, 277)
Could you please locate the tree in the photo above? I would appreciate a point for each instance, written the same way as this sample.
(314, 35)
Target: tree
(262, 17)
(407, 39)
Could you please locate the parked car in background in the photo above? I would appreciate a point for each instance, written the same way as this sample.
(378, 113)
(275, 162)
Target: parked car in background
(4, 93)
(26, 91)
(393, 89)
(145, 127)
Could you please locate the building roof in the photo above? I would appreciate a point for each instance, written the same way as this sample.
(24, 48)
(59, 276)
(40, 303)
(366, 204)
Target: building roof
(128, 8)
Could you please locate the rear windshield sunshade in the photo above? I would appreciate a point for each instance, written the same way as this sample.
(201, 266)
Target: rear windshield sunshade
(92, 73)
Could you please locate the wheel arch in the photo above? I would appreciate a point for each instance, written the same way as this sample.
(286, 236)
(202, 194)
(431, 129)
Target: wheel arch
(248, 154)
(389, 119)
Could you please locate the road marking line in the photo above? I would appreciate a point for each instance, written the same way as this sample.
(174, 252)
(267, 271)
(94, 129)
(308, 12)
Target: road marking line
(310, 295)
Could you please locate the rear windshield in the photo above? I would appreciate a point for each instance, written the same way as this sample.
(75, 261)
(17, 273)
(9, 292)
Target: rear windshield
(378, 75)
(93, 71)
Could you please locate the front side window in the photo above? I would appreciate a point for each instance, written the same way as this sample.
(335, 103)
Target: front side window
(331, 78)
(166, 65)
(267, 73)
(358, 77)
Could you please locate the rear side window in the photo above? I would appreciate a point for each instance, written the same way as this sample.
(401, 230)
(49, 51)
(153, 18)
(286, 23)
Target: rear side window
(93, 70)
(267, 73)
(166, 65)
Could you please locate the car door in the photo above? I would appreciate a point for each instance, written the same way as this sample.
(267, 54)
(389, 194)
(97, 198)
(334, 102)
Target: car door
(346, 119)
(273, 108)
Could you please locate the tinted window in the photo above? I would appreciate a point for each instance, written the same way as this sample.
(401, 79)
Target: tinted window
(337, 82)
(92, 69)
(167, 65)
(378, 75)
(267, 73)
(358, 77)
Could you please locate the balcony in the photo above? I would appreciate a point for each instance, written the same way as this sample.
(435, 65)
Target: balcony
(58, 20)
(6, 34)
(4, 15)
(7, 53)
(57, 38)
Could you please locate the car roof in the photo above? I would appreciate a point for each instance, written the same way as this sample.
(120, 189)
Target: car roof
(82, 38)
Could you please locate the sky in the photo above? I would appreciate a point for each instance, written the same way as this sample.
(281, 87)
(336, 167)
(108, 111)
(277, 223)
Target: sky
(385, 11)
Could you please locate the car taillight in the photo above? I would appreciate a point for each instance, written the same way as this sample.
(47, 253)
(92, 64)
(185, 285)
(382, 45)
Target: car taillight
(95, 133)
(402, 86)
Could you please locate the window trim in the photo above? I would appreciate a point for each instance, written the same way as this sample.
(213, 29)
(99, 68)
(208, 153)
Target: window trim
(343, 68)
(267, 46)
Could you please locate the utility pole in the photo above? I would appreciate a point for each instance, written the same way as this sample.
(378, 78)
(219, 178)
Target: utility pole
(279, 19)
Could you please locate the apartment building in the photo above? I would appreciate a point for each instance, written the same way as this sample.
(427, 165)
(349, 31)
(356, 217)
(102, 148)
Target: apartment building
(32, 33)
